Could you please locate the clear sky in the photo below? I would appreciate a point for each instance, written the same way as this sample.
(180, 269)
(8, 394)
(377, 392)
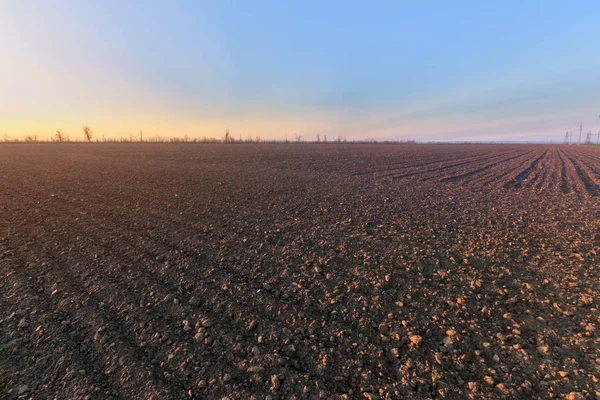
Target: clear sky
(423, 70)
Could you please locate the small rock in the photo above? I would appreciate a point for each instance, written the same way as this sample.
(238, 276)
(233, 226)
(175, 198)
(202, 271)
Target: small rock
(275, 382)
(22, 390)
(415, 340)
(383, 328)
(252, 325)
(256, 369)
(23, 323)
(207, 323)
(544, 349)
(575, 396)
(395, 352)
(193, 301)
(371, 396)
(201, 384)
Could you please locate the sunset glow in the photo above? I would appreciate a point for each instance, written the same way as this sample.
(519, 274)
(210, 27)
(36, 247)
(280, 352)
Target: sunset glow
(460, 71)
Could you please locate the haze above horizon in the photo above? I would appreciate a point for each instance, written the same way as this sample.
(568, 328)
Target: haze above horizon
(435, 71)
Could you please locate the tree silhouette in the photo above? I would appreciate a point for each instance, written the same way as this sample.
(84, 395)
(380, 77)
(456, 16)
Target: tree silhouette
(87, 132)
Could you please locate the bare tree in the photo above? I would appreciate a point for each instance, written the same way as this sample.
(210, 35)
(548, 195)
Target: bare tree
(318, 138)
(87, 132)
(31, 138)
(141, 137)
(324, 138)
(228, 138)
(298, 138)
(59, 136)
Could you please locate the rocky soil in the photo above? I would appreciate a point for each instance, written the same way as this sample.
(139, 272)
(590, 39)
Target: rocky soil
(153, 271)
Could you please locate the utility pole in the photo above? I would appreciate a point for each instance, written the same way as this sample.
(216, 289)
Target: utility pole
(571, 137)
(580, 128)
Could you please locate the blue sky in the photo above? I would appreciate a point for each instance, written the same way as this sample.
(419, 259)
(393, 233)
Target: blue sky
(413, 70)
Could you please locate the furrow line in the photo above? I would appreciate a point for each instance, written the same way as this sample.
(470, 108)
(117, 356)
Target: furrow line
(460, 177)
(517, 181)
(444, 168)
(590, 186)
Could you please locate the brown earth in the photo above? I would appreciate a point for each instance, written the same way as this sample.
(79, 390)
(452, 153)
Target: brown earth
(137, 271)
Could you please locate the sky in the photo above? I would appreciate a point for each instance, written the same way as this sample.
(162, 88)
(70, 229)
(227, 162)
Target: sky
(425, 71)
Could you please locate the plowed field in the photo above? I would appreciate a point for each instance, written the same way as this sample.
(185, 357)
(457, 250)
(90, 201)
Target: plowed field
(300, 271)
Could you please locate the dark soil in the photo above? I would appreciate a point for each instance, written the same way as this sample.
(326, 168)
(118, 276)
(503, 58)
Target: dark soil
(138, 271)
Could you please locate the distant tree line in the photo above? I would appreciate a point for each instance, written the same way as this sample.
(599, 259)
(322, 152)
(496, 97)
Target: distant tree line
(228, 138)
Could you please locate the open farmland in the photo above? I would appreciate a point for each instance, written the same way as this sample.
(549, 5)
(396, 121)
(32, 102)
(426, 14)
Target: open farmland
(299, 271)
